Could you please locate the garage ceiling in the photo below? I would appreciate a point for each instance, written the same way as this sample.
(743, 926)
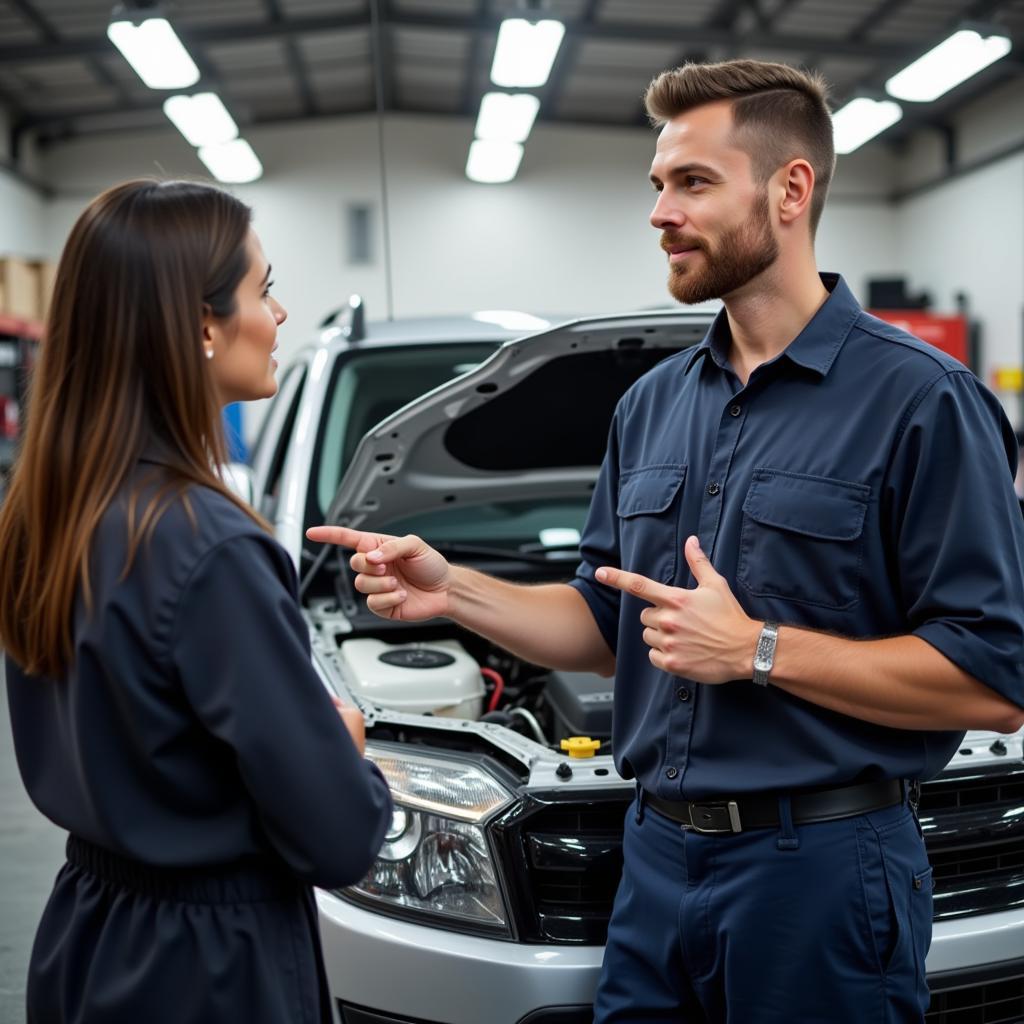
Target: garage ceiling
(281, 60)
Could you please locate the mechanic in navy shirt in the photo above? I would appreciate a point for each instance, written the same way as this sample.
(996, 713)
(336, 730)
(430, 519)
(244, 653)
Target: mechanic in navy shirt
(164, 705)
(804, 562)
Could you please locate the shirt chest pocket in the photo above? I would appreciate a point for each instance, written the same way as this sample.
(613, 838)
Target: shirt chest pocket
(648, 511)
(802, 538)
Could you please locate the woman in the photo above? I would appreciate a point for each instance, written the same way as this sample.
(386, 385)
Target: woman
(164, 706)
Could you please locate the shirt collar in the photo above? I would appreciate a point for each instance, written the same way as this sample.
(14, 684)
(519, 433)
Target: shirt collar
(157, 452)
(815, 347)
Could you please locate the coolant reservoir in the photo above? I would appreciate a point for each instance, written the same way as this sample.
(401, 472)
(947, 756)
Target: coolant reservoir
(439, 677)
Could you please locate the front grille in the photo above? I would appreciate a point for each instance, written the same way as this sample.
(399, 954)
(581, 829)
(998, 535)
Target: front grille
(563, 857)
(973, 825)
(563, 862)
(986, 788)
(999, 1001)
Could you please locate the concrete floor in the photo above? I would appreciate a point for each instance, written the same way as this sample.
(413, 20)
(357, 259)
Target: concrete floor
(31, 852)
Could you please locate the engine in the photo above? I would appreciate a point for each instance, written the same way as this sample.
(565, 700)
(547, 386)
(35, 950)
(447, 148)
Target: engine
(467, 677)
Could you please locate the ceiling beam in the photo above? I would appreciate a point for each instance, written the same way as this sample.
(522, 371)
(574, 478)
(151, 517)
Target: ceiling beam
(565, 60)
(876, 15)
(704, 36)
(296, 64)
(384, 52)
(874, 81)
(45, 28)
(474, 65)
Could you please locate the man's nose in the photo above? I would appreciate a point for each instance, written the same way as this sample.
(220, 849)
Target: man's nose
(666, 214)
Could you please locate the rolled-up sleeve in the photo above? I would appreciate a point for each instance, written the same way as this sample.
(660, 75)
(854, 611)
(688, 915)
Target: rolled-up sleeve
(600, 545)
(241, 650)
(958, 534)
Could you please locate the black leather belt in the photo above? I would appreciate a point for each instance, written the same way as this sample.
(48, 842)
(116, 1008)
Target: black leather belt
(761, 810)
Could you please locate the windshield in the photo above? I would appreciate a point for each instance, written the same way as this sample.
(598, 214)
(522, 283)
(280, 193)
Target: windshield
(369, 385)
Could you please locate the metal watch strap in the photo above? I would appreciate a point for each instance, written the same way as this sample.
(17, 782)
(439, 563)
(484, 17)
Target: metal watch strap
(764, 655)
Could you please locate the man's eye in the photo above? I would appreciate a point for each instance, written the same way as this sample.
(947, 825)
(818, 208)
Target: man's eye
(693, 181)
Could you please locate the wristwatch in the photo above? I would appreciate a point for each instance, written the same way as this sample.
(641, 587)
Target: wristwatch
(764, 655)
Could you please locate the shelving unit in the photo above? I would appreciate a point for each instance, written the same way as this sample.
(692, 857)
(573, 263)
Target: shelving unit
(18, 347)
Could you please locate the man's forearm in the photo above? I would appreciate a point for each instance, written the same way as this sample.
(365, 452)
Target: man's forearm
(901, 682)
(549, 625)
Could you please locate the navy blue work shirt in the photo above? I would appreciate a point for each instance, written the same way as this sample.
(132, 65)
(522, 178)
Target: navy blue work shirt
(192, 728)
(860, 483)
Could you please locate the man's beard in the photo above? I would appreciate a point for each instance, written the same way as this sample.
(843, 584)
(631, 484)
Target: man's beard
(738, 257)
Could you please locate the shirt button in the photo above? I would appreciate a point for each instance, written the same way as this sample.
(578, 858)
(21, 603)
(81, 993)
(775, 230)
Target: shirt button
(735, 410)
(683, 693)
(671, 773)
(713, 489)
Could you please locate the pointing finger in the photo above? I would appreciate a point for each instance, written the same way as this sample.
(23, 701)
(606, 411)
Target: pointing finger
(637, 585)
(340, 535)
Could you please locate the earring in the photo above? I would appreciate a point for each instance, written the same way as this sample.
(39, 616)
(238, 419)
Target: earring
(209, 353)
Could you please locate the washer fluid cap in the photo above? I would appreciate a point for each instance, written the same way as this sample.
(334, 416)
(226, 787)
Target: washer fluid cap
(581, 746)
(417, 657)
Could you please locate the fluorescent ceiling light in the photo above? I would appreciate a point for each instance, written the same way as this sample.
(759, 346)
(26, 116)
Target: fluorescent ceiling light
(862, 119)
(525, 52)
(155, 52)
(493, 162)
(953, 61)
(233, 162)
(507, 117)
(202, 118)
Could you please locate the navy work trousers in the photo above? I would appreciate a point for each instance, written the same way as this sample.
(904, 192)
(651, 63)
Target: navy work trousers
(826, 923)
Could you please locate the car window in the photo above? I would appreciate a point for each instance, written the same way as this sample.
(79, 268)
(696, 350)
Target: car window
(370, 385)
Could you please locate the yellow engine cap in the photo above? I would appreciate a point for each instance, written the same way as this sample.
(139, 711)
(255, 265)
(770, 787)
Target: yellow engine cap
(581, 746)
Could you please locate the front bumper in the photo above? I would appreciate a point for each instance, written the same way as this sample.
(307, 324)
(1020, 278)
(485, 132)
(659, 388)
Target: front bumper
(428, 974)
(402, 970)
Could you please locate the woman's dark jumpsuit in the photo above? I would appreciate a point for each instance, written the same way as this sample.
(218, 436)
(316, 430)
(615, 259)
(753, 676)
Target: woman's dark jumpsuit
(205, 778)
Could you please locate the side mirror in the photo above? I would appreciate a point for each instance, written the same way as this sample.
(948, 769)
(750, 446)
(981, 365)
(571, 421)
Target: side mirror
(240, 478)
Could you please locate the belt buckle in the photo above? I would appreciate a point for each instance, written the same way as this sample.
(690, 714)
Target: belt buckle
(702, 813)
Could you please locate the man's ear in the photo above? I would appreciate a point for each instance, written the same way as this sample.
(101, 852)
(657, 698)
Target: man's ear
(796, 180)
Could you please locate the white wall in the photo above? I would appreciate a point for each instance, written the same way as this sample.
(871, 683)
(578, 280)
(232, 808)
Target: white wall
(22, 208)
(22, 219)
(967, 234)
(570, 234)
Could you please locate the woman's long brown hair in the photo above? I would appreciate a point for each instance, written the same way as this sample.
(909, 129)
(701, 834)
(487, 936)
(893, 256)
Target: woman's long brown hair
(121, 366)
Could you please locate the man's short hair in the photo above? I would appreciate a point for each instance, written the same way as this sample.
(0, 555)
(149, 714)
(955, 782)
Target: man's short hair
(779, 113)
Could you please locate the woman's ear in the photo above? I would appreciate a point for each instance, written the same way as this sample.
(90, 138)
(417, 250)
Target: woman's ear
(211, 331)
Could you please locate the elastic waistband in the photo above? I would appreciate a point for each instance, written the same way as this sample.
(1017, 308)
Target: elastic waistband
(243, 882)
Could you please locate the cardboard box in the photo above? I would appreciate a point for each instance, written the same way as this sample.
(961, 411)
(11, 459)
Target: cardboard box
(19, 288)
(47, 273)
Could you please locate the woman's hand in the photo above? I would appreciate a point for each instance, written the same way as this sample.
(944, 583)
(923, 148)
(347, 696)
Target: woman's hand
(403, 577)
(354, 722)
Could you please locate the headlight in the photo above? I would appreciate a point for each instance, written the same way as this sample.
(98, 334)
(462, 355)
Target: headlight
(435, 859)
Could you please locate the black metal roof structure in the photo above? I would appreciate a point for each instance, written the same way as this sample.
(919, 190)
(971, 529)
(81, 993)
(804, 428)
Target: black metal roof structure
(283, 60)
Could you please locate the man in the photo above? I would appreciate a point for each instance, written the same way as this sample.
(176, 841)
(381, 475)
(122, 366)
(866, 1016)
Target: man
(849, 597)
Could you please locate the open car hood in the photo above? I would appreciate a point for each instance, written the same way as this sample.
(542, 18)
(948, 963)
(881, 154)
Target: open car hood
(529, 423)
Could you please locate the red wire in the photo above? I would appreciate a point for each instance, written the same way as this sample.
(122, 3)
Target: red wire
(499, 686)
